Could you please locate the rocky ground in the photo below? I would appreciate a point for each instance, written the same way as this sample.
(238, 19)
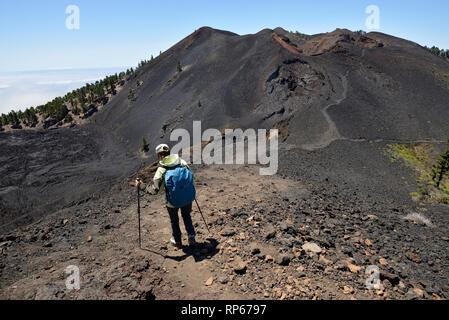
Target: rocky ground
(337, 206)
(44, 171)
(271, 238)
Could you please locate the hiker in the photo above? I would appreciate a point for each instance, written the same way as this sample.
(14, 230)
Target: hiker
(175, 176)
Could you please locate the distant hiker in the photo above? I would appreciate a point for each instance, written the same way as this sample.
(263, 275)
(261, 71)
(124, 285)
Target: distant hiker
(175, 176)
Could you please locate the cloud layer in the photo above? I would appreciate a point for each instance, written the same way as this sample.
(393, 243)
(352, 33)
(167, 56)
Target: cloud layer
(21, 90)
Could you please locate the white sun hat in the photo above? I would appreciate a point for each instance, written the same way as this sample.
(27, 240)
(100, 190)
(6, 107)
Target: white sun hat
(162, 148)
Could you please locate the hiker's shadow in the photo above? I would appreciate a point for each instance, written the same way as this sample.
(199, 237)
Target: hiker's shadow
(200, 252)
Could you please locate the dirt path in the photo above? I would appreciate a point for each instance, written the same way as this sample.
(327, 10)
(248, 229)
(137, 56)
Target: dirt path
(272, 238)
(332, 132)
(191, 268)
(103, 244)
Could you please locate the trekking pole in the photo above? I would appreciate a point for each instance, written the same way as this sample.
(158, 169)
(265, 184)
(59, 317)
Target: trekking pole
(202, 215)
(138, 211)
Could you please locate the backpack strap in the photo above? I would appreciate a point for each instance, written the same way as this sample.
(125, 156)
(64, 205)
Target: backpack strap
(172, 168)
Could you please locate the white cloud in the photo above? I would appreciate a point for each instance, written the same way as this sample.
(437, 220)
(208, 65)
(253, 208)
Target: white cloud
(67, 81)
(21, 90)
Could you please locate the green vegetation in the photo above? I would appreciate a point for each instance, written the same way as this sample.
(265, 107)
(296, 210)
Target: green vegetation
(441, 169)
(68, 118)
(65, 108)
(432, 170)
(27, 118)
(301, 35)
(360, 32)
(145, 145)
(438, 52)
(179, 66)
(78, 103)
(131, 94)
(199, 104)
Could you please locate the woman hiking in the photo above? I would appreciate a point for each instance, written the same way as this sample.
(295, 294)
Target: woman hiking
(174, 175)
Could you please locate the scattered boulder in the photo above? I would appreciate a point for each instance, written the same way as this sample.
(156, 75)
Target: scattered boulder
(260, 256)
(209, 282)
(239, 266)
(284, 259)
(222, 280)
(227, 232)
(286, 242)
(311, 247)
(392, 278)
(346, 250)
(411, 295)
(254, 249)
(288, 228)
(383, 262)
(348, 290)
(353, 268)
(42, 236)
(5, 244)
(283, 226)
(413, 257)
(269, 234)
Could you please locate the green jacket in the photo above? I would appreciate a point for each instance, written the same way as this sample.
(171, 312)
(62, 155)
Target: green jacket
(159, 177)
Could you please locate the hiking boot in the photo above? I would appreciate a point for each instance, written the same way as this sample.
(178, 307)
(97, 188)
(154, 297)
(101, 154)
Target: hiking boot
(192, 241)
(175, 244)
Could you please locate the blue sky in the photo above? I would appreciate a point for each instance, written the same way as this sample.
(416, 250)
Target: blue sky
(33, 35)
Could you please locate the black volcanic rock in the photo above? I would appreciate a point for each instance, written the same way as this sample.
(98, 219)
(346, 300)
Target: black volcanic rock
(338, 99)
(347, 89)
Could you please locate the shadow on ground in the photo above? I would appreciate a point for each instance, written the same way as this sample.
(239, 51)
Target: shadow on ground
(201, 251)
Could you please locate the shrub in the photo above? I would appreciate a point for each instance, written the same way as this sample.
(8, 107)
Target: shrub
(441, 169)
(145, 146)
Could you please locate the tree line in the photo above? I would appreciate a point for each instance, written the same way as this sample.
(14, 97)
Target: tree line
(78, 103)
(438, 52)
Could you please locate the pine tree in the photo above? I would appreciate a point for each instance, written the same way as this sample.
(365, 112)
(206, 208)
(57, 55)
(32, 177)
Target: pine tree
(441, 168)
(145, 146)
(4, 119)
(179, 66)
(131, 94)
(68, 118)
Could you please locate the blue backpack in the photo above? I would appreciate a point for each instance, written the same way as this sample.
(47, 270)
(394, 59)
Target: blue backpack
(179, 186)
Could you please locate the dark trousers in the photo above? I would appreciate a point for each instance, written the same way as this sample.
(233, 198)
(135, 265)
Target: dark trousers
(174, 219)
